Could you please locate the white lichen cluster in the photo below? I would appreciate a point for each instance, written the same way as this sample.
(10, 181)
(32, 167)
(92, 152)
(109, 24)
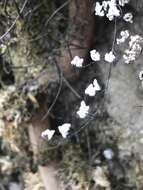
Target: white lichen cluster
(92, 88)
(108, 9)
(91, 91)
(47, 134)
(109, 57)
(141, 75)
(111, 9)
(123, 2)
(83, 110)
(108, 154)
(123, 36)
(95, 56)
(134, 50)
(128, 17)
(77, 61)
(63, 129)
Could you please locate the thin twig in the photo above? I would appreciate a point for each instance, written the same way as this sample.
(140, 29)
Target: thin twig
(111, 64)
(33, 10)
(57, 95)
(115, 33)
(10, 28)
(17, 8)
(13, 24)
(71, 88)
(88, 144)
(69, 50)
(56, 11)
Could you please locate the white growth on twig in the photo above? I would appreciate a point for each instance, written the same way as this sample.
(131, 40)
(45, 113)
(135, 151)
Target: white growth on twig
(108, 9)
(135, 48)
(108, 154)
(99, 9)
(95, 56)
(77, 61)
(123, 2)
(123, 36)
(83, 110)
(113, 11)
(128, 17)
(96, 85)
(48, 134)
(141, 75)
(64, 129)
(109, 57)
(92, 88)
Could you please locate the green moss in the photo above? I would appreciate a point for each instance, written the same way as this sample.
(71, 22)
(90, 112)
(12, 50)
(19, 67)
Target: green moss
(74, 170)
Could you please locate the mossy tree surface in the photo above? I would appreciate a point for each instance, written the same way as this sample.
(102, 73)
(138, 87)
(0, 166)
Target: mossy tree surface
(38, 40)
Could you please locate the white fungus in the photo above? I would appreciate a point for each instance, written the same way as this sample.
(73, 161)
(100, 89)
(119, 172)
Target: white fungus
(83, 110)
(123, 2)
(64, 129)
(113, 11)
(109, 57)
(141, 75)
(108, 9)
(95, 56)
(92, 88)
(128, 17)
(96, 85)
(135, 40)
(123, 36)
(135, 48)
(77, 61)
(48, 134)
(108, 154)
(99, 9)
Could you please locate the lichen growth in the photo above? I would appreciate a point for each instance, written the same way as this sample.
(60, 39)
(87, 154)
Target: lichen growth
(74, 171)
